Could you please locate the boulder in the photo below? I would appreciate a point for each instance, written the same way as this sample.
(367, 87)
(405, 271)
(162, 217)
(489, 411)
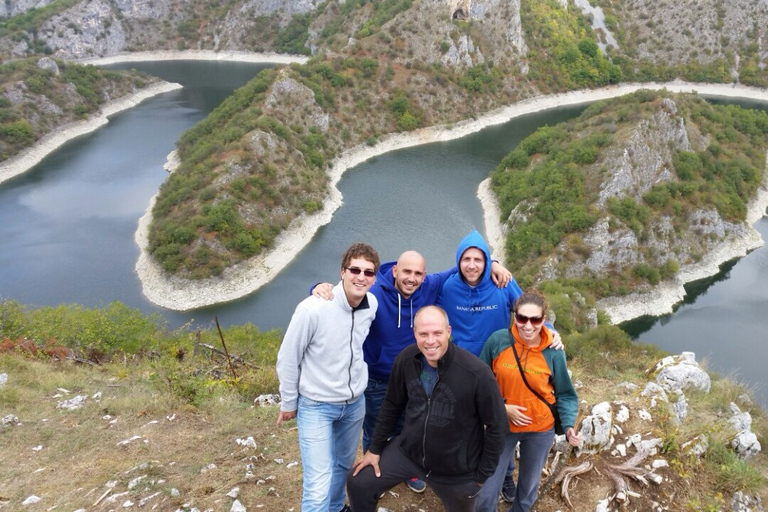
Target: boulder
(681, 372)
(597, 429)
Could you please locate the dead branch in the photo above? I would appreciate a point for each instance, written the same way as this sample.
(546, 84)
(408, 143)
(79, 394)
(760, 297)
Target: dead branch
(234, 358)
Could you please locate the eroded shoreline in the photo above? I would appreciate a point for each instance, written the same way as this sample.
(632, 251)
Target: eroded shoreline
(30, 157)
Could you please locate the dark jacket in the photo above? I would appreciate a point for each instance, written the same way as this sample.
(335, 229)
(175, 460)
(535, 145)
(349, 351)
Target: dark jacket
(458, 433)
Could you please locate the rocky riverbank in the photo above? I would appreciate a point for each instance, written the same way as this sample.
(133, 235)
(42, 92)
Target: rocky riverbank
(261, 58)
(240, 280)
(32, 156)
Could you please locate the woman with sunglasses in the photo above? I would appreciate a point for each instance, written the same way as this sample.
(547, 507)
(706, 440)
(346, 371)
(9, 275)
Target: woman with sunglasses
(524, 352)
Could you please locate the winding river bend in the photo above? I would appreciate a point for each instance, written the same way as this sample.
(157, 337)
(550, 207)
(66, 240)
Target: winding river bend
(67, 225)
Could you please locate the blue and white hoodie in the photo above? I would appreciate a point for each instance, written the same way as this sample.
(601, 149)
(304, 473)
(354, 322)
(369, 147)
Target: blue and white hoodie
(476, 312)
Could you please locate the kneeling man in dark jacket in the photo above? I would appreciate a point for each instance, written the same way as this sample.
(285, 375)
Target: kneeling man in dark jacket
(455, 422)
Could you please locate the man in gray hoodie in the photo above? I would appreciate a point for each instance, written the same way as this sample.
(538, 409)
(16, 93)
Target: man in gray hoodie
(323, 377)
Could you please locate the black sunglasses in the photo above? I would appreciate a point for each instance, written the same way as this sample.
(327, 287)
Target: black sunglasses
(355, 271)
(522, 319)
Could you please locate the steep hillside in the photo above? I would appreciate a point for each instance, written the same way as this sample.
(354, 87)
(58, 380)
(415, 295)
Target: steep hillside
(40, 95)
(622, 197)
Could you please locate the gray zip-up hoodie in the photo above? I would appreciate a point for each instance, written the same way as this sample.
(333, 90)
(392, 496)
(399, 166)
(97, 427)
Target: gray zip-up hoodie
(321, 357)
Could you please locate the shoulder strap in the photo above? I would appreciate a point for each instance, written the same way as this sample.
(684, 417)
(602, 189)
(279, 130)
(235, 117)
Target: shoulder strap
(522, 373)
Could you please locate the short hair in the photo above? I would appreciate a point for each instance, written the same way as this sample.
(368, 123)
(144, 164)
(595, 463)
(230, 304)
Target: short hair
(535, 297)
(363, 251)
(437, 308)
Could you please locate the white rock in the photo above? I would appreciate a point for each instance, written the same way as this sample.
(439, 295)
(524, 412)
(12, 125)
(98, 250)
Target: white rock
(602, 506)
(237, 507)
(596, 429)
(746, 445)
(72, 403)
(649, 445)
(292, 464)
(622, 415)
(128, 441)
(279, 461)
(208, 467)
(96, 395)
(234, 492)
(127, 504)
(3, 379)
(740, 420)
(37, 448)
(644, 415)
(683, 373)
(742, 502)
(10, 420)
(248, 442)
(31, 500)
(629, 386)
(621, 449)
(265, 400)
(659, 463)
(175, 492)
(655, 392)
(679, 407)
(133, 483)
(653, 477)
(696, 446)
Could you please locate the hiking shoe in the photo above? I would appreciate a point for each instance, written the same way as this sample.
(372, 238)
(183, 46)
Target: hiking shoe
(416, 485)
(508, 490)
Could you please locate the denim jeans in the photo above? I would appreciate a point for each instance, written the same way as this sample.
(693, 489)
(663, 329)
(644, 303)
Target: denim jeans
(329, 435)
(534, 448)
(374, 397)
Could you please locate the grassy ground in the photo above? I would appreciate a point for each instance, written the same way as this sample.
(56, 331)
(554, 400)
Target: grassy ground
(161, 432)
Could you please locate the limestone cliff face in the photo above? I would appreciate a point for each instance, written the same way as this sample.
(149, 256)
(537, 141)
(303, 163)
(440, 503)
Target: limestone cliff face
(631, 168)
(11, 8)
(702, 32)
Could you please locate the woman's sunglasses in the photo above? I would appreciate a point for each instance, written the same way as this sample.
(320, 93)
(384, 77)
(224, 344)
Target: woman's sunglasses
(522, 319)
(355, 271)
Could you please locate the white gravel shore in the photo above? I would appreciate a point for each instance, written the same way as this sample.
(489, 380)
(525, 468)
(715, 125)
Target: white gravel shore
(258, 58)
(32, 156)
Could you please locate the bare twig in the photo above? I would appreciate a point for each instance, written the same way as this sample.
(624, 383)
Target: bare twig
(226, 352)
(235, 358)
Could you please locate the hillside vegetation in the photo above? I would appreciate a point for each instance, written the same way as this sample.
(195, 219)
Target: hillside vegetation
(165, 419)
(41, 95)
(662, 177)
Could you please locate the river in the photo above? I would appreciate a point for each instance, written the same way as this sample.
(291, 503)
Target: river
(67, 225)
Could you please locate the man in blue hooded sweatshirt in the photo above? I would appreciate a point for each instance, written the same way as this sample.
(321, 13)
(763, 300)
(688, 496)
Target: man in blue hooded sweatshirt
(475, 306)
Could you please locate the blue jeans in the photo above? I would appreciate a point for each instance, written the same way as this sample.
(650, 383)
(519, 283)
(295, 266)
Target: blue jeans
(374, 397)
(534, 448)
(328, 439)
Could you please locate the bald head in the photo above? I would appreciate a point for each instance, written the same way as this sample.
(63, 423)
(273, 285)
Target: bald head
(409, 272)
(432, 332)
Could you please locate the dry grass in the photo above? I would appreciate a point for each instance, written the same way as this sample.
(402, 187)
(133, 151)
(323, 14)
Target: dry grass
(168, 464)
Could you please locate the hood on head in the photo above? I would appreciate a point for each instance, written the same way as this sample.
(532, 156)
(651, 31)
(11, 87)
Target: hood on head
(475, 239)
